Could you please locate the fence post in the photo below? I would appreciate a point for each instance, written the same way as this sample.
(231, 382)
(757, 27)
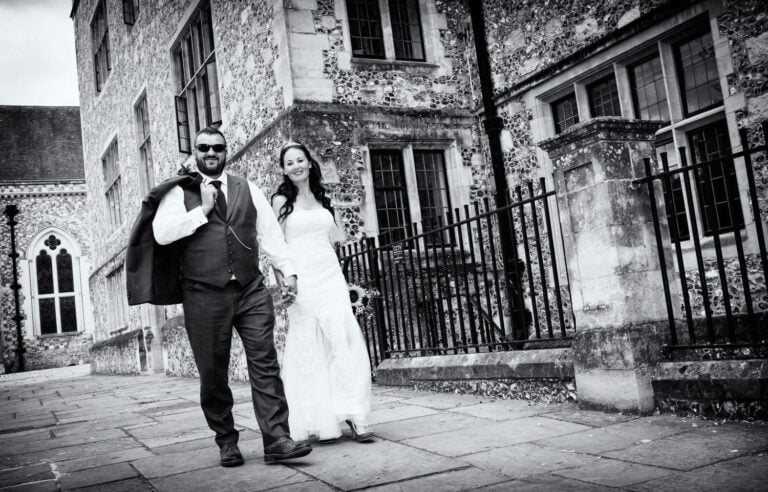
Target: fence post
(614, 266)
(378, 304)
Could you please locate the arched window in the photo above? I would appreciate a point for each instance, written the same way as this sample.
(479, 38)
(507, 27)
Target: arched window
(55, 277)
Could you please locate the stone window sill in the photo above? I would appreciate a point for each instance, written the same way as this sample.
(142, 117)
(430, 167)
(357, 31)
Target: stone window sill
(391, 65)
(57, 335)
(118, 331)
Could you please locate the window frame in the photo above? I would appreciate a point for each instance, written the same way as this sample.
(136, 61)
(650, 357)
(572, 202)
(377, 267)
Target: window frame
(633, 85)
(729, 181)
(131, 11)
(553, 108)
(68, 244)
(117, 298)
(101, 66)
(677, 192)
(680, 79)
(193, 69)
(387, 33)
(357, 23)
(591, 96)
(402, 190)
(144, 139)
(111, 173)
(420, 25)
(407, 154)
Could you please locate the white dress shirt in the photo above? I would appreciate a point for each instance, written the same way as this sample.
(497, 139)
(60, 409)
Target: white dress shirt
(173, 222)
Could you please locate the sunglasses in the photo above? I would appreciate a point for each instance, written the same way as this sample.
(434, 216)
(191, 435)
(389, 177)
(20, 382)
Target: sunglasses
(216, 147)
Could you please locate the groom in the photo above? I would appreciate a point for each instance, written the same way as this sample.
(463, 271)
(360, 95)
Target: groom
(212, 224)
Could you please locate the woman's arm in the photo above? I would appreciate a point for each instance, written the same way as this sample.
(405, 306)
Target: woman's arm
(277, 203)
(337, 235)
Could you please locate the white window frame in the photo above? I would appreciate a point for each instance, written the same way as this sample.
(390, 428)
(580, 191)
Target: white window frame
(146, 160)
(458, 178)
(193, 82)
(426, 15)
(101, 82)
(117, 299)
(113, 190)
(68, 243)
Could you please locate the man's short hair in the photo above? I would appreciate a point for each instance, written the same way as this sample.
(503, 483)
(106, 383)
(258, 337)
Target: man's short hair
(211, 130)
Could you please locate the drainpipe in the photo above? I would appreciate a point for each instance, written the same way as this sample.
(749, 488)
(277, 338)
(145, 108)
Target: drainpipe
(11, 211)
(493, 125)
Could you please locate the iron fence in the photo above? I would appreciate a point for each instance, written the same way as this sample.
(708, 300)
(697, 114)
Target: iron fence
(717, 304)
(446, 290)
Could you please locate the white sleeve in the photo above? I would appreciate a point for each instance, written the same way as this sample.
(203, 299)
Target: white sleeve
(172, 220)
(269, 233)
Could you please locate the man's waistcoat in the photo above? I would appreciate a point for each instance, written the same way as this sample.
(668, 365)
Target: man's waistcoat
(221, 248)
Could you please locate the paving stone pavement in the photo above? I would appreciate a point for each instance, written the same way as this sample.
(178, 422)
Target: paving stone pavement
(69, 430)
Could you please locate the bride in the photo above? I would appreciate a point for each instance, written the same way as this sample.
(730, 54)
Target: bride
(325, 371)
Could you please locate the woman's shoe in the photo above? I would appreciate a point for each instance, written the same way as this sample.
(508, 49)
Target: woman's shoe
(360, 436)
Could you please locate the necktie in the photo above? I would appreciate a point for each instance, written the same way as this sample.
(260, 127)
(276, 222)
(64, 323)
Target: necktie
(221, 201)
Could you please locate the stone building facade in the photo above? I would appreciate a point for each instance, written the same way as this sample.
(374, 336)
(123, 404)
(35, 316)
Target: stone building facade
(386, 94)
(558, 56)
(281, 70)
(44, 180)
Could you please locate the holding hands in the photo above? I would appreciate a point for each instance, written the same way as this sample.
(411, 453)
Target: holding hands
(287, 286)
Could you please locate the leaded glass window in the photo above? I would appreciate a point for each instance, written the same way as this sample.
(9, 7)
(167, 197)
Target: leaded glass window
(197, 81)
(100, 45)
(697, 69)
(604, 98)
(674, 199)
(406, 29)
(113, 193)
(565, 113)
(432, 187)
(146, 169)
(365, 28)
(118, 299)
(55, 283)
(718, 189)
(648, 92)
(391, 195)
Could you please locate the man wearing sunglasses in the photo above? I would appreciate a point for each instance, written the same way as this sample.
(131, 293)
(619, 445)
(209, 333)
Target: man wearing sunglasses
(214, 228)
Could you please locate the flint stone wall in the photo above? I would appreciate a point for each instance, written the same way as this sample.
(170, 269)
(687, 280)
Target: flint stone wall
(40, 206)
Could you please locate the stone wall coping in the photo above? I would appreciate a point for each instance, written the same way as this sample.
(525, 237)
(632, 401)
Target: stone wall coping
(521, 364)
(711, 369)
(604, 128)
(116, 341)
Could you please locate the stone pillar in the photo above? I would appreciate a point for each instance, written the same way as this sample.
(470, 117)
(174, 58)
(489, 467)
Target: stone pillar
(612, 257)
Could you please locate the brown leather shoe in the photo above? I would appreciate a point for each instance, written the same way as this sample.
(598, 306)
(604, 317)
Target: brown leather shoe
(230, 455)
(286, 448)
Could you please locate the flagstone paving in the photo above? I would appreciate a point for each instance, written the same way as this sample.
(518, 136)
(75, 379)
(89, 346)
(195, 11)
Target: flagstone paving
(66, 429)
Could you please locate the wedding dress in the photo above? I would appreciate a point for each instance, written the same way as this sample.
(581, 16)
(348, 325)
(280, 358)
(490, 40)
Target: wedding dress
(326, 370)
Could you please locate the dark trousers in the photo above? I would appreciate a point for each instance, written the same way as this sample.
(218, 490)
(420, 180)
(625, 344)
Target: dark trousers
(209, 315)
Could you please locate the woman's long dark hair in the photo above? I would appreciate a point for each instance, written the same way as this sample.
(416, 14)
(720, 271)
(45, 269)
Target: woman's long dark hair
(290, 191)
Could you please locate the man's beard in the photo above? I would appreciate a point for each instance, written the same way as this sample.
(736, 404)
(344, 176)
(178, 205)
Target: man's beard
(204, 168)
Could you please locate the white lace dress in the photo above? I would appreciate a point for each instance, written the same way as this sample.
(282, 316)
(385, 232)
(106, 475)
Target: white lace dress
(325, 371)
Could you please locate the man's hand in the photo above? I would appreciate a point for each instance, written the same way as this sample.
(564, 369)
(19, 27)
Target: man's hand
(288, 290)
(208, 194)
(190, 164)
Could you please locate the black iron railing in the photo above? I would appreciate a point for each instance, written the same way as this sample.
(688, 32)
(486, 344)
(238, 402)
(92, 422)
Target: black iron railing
(719, 256)
(445, 291)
